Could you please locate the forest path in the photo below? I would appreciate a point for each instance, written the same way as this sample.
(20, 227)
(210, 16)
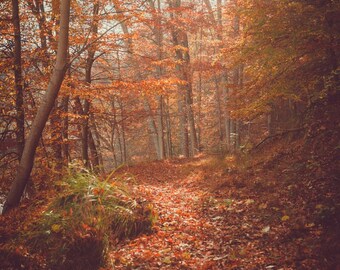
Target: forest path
(196, 229)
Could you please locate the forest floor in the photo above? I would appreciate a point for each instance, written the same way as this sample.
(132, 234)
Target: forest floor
(275, 207)
(212, 216)
(278, 209)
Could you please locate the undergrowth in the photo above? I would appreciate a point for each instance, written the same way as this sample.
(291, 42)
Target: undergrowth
(88, 215)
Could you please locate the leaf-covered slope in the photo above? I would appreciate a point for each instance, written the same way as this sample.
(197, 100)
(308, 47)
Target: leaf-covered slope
(225, 214)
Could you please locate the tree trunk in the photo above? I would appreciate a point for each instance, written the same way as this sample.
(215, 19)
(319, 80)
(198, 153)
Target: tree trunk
(56, 136)
(64, 132)
(159, 72)
(85, 134)
(232, 135)
(225, 92)
(122, 115)
(237, 73)
(57, 77)
(183, 125)
(87, 139)
(199, 113)
(94, 153)
(152, 128)
(160, 128)
(219, 115)
(97, 143)
(113, 128)
(183, 91)
(18, 80)
(168, 129)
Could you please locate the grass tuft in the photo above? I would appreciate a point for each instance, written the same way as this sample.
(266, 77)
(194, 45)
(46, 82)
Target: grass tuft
(75, 230)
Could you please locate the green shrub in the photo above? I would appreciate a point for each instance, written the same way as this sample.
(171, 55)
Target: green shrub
(75, 230)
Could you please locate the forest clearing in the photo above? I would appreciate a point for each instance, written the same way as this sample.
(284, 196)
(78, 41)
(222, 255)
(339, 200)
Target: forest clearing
(169, 134)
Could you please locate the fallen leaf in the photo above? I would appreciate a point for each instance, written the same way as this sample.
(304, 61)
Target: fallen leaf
(285, 218)
(266, 229)
(56, 228)
(167, 260)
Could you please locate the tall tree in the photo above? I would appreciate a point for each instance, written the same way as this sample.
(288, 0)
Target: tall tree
(20, 117)
(185, 94)
(156, 12)
(57, 77)
(87, 137)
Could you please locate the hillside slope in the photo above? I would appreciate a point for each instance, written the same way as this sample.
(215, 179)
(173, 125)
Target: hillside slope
(227, 213)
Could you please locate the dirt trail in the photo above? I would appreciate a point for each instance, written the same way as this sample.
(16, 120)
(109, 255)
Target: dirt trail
(213, 216)
(191, 231)
(183, 235)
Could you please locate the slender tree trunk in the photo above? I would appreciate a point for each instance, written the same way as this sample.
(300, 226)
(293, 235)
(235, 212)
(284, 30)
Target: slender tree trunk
(191, 120)
(228, 131)
(64, 132)
(27, 159)
(18, 80)
(115, 114)
(94, 153)
(231, 136)
(189, 94)
(97, 143)
(55, 120)
(114, 128)
(199, 111)
(122, 161)
(225, 92)
(159, 72)
(237, 82)
(122, 115)
(56, 136)
(199, 92)
(219, 114)
(87, 138)
(85, 134)
(183, 125)
(183, 91)
(237, 135)
(153, 128)
(168, 129)
(160, 126)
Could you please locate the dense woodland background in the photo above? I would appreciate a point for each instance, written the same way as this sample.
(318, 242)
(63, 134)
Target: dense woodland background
(253, 83)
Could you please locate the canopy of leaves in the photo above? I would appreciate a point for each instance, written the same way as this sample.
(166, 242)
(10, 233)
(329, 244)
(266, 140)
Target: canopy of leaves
(289, 51)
